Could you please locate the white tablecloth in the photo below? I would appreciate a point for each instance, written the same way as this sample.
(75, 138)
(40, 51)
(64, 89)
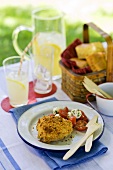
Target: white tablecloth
(17, 155)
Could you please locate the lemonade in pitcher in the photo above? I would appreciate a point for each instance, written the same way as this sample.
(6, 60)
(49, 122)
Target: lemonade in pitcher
(49, 27)
(57, 41)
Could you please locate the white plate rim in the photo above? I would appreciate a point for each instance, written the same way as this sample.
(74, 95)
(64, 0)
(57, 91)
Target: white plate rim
(31, 113)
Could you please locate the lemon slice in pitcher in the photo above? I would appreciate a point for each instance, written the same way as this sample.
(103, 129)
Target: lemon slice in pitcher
(57, 53)
(43, 49)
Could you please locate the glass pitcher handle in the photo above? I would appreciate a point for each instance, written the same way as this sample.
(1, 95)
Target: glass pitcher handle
(15, 38)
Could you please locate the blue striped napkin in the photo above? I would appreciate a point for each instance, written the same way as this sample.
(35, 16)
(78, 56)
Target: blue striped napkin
(54, 158)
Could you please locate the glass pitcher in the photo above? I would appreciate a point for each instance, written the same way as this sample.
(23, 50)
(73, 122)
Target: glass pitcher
(48, 25)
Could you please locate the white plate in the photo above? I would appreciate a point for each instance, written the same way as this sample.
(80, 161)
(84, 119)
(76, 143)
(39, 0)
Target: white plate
(27, 124)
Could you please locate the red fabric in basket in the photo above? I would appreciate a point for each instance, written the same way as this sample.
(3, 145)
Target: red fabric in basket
(70, 52)
(32, 97)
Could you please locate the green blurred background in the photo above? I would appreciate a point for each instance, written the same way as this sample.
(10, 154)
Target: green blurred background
(13, 16)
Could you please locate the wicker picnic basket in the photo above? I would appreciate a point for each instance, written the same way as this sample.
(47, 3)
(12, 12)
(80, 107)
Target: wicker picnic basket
(72, 82)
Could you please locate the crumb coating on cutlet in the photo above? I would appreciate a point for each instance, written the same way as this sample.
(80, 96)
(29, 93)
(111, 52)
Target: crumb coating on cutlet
(53, 128)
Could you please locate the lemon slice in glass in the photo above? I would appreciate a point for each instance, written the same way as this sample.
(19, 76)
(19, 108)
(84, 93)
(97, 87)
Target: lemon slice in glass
(16, 81)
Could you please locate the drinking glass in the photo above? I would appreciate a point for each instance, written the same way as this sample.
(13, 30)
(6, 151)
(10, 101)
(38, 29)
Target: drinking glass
(17, 75)
(48, 25)
(42, 65)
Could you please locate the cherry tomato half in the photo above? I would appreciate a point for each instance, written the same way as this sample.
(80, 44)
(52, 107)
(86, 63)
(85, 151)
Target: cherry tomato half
(63, 113)
(81, 125)
(51, 114)
(83, 117)
(66, 109)
(73, 120)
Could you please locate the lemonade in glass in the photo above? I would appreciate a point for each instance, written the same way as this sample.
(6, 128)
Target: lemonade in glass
(17, 80)
(42, 68)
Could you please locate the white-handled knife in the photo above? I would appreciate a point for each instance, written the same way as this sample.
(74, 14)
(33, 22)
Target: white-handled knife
(92, 129)
(89, 141)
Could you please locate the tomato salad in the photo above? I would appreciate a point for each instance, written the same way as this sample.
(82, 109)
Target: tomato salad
(76, 116)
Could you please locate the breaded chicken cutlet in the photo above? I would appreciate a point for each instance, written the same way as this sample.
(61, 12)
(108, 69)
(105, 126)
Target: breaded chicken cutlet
(53, 128)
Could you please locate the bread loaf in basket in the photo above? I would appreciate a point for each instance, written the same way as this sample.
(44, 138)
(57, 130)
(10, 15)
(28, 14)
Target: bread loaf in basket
(73, 71)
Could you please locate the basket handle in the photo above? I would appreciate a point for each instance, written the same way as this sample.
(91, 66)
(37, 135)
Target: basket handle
(109, 70)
